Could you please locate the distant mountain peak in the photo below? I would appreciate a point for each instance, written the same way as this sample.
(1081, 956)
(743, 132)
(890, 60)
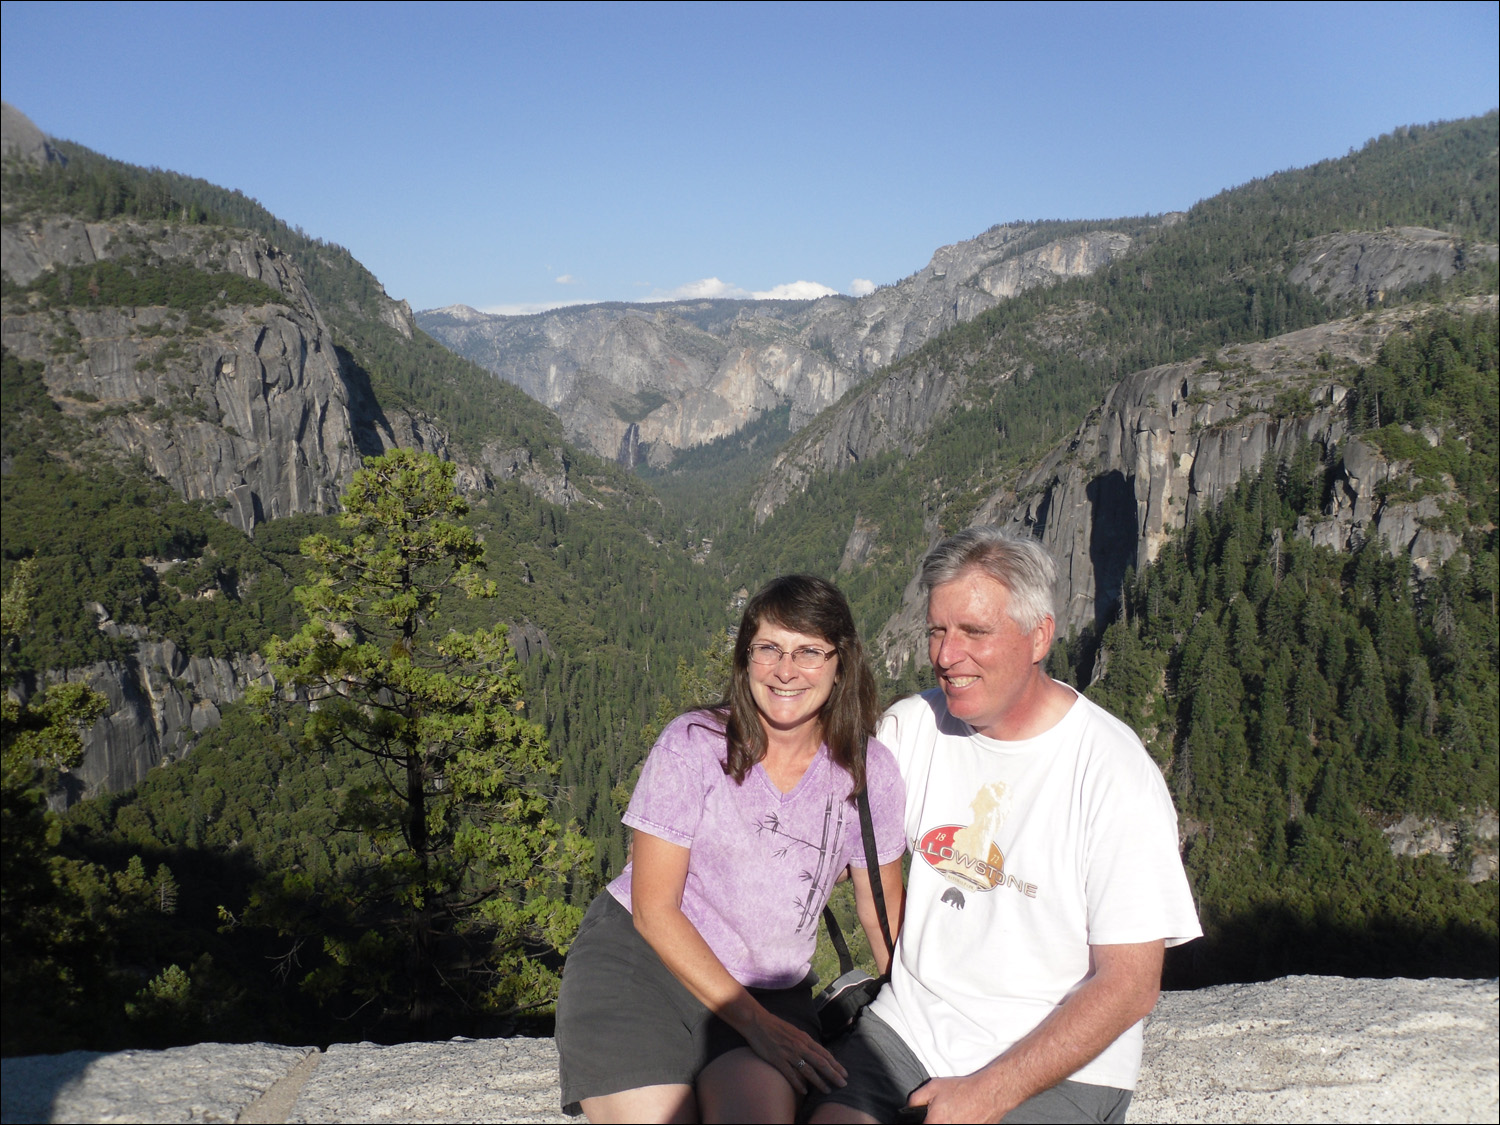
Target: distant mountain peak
(465, 313)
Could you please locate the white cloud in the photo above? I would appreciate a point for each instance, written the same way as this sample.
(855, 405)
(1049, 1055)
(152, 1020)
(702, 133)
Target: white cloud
(796, 291)
(711, 288)
(530, 308)
(705, 288)
(861, 287)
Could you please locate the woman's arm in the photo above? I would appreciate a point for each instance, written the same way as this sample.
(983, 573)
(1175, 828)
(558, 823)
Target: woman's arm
(659, 874)
(895, 907)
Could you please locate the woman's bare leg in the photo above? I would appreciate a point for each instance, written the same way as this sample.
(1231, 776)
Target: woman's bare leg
(741, 1086)
(669, 1105)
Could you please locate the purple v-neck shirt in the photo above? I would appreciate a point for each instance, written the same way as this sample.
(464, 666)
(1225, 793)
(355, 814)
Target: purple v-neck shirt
(762, 862)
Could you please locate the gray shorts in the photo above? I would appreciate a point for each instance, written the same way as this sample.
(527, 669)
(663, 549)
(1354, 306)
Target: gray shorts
(883, 1073)
(624, 1021)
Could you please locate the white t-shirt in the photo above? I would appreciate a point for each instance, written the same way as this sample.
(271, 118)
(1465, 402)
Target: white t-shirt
(1023, 855)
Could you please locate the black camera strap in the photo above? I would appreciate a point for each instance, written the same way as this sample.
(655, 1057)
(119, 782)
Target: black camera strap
(872, 867)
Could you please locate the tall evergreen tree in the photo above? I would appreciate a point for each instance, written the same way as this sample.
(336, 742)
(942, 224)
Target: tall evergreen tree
(466, 873)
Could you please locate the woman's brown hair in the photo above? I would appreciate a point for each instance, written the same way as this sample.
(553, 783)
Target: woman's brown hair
(804, 604)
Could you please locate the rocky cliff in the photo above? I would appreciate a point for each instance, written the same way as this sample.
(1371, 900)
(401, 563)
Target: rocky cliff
(1168, 443)
(893, 412)
(152, 342)
(243, 404)
(897, 409)
(960, 282)
(1469, 843)
(160, 700)
(22, 141)
(1361, 267)
(633, 381)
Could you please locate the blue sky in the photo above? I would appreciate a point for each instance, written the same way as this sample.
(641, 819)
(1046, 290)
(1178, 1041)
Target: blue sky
(518, 156)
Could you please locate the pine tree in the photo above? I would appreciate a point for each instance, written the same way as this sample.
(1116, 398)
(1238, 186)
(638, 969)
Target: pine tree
(466, 873)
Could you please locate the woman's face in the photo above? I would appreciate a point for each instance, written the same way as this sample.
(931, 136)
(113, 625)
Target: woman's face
(790, 698)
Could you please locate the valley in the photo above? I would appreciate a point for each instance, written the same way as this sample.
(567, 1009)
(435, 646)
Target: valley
(1259, 436)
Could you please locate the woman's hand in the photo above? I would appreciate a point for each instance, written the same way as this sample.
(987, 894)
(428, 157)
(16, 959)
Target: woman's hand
(660, 873)
(802, 1060)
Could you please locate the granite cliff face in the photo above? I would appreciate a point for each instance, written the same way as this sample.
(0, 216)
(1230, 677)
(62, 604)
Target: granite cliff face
(899, 408)
(631, 382)
(244, 405)
(1170, 442)
(1469, 843)
(160, 700)
(1361, 267)
(21, 140)
(960, 282)
(895, 411)
(634, 381)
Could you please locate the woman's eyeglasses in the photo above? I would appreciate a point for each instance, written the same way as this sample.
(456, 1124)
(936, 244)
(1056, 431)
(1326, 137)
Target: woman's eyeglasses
(807, 658)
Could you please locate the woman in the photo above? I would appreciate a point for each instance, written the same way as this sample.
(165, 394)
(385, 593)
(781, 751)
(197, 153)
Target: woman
(687, 994)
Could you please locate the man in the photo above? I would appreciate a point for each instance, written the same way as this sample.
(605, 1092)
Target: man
(1045, 880)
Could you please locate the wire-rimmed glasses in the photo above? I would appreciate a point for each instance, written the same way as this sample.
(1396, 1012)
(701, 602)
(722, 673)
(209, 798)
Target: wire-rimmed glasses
(806, 657)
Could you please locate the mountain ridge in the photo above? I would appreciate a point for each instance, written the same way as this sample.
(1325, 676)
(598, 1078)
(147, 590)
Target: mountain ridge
(667, 376)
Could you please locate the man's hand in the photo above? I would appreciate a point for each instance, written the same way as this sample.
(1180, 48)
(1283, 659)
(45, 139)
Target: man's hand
(1121, 988)
(961, 1099)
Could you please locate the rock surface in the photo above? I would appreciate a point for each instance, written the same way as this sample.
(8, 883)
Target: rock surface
(20, 139)
(1361, 267)
(251, 410)
(206, 1082)
(1468, 844)
(1299, 1049)
(896, 410)
(1323, 1049)
(634, 381)
(160, 700)
(1168, 444)
(462, 1080)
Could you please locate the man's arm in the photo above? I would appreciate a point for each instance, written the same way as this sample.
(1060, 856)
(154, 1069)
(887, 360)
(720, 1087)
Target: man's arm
(1123, 986)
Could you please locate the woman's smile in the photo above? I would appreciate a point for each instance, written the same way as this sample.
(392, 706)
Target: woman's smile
(790, 698)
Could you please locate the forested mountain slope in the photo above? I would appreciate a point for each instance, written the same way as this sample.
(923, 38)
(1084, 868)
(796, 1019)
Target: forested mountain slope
(160, 330)
(1169, 443)
(1312, 698)
(919, 447)
(1285, 252)
(1112, 416)
(191, 384)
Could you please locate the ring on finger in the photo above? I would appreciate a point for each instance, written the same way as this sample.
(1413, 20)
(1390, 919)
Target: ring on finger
(799, 1064)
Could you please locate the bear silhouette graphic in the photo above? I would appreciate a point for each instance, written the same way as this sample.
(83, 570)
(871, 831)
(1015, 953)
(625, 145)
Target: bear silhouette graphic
(954, 898)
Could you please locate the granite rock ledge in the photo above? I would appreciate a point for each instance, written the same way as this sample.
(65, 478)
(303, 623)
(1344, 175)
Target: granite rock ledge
(1298, 1049)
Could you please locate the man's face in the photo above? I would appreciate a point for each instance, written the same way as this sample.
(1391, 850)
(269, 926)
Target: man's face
(985, 662)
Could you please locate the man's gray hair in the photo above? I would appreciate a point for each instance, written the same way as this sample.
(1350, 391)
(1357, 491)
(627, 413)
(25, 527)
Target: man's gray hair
(1020, 565)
